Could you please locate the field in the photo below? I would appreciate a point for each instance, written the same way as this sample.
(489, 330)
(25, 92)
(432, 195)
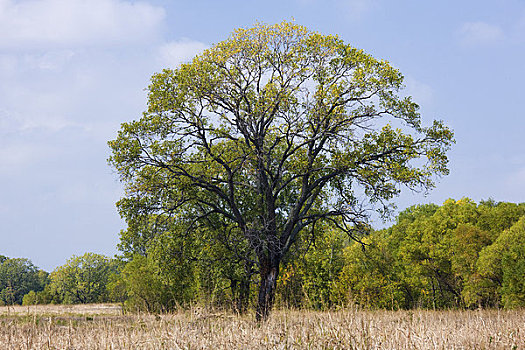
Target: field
(104, 327)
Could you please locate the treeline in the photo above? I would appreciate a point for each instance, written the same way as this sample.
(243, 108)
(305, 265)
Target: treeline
(458, 255)
(83, 279)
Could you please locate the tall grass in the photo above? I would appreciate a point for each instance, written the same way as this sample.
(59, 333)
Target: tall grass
(103, 327)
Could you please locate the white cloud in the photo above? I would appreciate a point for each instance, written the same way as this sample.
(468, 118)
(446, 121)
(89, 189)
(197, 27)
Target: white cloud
(352, 9)
(516, 179)
(422, 93)
(520, 29)
(174, 53)
(305, 2)
(480, 34)
(31, 24)
(35, 107)
(514, 185)
(57, 89)
(8, 64)
(356, 9)
(15, 157)
(51, 60)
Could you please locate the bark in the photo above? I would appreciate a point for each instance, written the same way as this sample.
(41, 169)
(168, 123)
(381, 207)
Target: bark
(269, 273)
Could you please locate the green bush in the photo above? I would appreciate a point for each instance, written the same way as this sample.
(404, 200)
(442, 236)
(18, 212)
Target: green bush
(30, 298)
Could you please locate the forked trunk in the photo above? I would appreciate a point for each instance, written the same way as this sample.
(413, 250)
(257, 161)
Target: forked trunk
(269, 273)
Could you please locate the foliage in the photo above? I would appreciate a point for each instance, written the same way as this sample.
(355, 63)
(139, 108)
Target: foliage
(30, 298)
(267, 134)
(370, 277)
(460, 254)
(144, 287)
(503, 264)
(455, 255)
(310, 277)
(18, 276)
(83, 279)
(185, 269)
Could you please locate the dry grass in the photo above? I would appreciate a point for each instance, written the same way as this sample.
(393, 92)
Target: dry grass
(61, 310)
(102, 327)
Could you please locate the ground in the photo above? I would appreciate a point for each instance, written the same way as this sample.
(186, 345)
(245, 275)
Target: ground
(103, 326)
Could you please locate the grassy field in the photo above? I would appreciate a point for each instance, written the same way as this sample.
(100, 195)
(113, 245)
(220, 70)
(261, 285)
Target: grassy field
(104, 327)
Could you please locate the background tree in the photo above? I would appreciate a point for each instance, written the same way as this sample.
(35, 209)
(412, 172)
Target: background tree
(456, 255)
(427, 252)
(513, 262)
(31, 298)
(144, 287)
(501, 267)
(83, 279)
(270, 132)
(200, 268)
(313, 269)
(371, 275)
(18, 276)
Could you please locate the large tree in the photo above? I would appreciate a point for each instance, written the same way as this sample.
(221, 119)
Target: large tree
(83, 279)
(17, 277)
(270, 132)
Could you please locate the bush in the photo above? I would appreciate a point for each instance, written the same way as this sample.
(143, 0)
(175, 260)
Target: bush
(30, 298)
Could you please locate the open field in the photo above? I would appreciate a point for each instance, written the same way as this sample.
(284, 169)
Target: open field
(103, 327)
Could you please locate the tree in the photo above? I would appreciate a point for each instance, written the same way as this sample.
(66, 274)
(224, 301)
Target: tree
(30, 298)
(438, 249)
(18, 276)
(195, 266)
(456, 255)
(270, 132)
(374, 274)
(513, 265)
(430, 248)
(321, 266)
(83, 279)
(501, 266)
(144, 287)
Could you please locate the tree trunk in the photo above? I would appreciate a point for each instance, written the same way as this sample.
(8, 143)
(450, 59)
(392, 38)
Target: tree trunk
(269, 272)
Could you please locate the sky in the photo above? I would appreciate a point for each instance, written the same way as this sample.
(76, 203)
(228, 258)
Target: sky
(71, 71)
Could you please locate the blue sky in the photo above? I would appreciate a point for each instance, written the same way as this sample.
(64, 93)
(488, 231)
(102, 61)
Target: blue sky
(72, 70)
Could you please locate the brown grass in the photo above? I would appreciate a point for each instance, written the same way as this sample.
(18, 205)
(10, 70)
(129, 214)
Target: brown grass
(103, 327)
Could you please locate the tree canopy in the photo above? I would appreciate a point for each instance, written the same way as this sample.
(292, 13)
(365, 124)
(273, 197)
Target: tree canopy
(83, 279)
(18, 276)
(267, 134)
(452, 256)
